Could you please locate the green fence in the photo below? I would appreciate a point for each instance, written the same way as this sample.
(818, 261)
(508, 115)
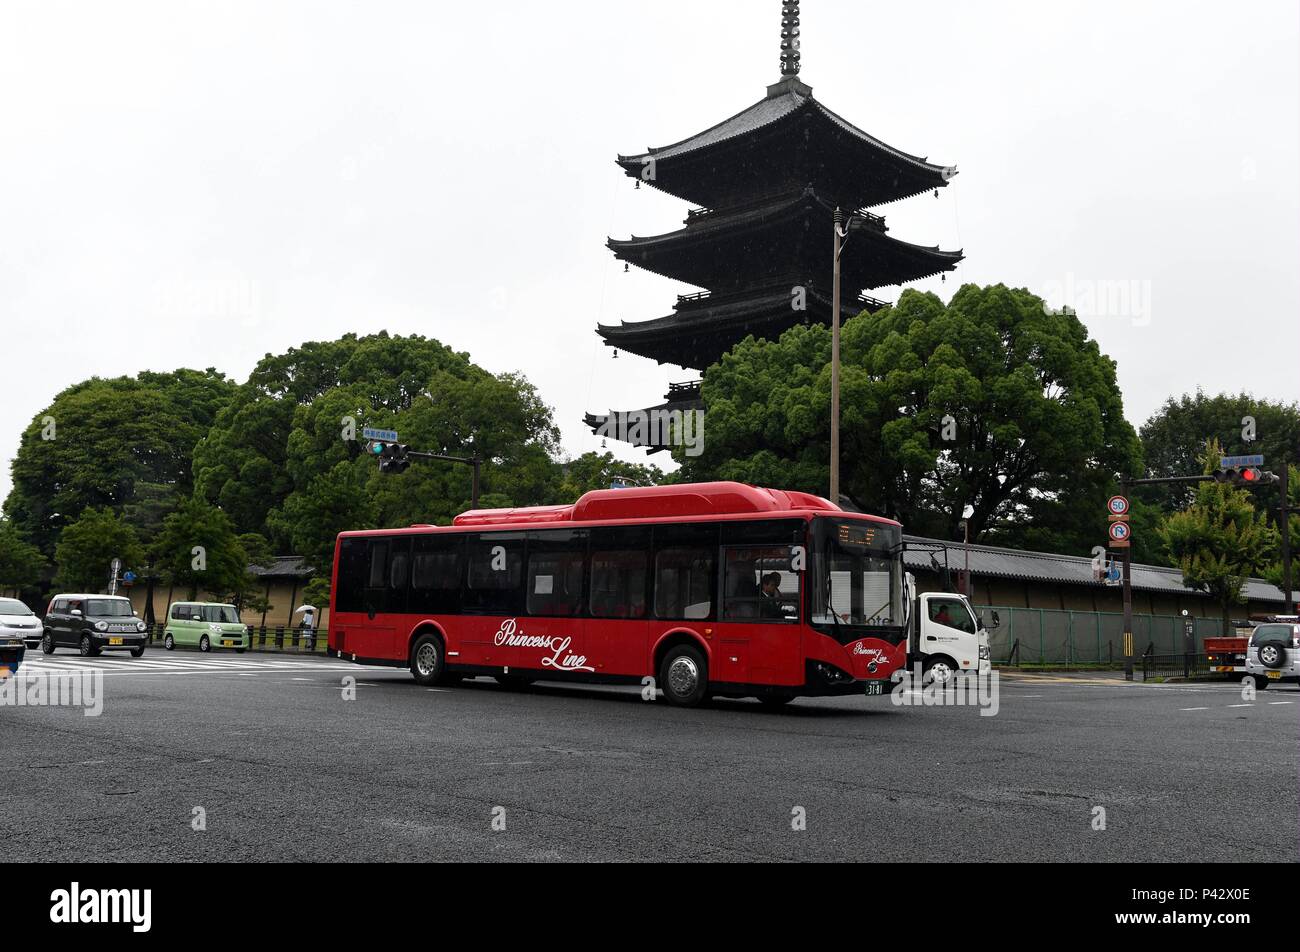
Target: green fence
(1051, 636)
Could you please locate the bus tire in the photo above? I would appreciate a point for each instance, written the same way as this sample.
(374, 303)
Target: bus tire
(427, 659)
(684, 676)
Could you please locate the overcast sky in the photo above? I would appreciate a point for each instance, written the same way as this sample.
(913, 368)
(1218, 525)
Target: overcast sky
(199, 184)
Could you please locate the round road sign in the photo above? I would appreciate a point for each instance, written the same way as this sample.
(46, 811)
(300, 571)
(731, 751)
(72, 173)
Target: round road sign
(1119, 531)
(1117, 505)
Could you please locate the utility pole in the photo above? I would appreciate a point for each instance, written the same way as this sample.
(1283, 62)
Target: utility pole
(1284, 478)
(835, 362)
(1128, 613)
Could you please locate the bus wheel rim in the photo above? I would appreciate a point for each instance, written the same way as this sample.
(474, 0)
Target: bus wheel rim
(683, 676)
(426, 659)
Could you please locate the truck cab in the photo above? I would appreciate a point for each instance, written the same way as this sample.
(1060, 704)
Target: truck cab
(946, 635)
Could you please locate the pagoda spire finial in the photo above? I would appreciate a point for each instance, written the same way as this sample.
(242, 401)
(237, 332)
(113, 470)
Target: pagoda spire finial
(790, 38)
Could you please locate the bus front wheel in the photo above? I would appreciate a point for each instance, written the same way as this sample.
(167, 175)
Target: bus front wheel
(426, 659)
(684, 676)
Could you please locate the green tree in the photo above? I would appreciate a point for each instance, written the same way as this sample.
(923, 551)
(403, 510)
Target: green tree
(198, 549)
(598, 471)
(21, 563)
(87, 547)
(1219, 542)
(1275, 572)
(991, 403)
(123, 444)
(1174, 438)
(278, 462)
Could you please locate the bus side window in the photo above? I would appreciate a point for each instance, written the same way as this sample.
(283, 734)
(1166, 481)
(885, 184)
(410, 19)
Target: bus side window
(555, 571)
(399, 569)
(353, 567)
(494, 583)
(437, 570)
(375, 596)
(619, 566)
(685, 573)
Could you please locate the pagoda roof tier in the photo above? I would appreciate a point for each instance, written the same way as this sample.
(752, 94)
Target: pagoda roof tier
(705, 326)
(740, 248)
(651, 427)
(786, 138)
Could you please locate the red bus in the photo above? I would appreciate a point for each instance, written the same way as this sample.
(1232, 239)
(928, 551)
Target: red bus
(718, 589)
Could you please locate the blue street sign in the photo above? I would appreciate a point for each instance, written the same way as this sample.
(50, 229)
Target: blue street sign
(1231, 462)
(128, 577)
(387, 436)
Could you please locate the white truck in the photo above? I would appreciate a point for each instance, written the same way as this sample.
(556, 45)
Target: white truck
(945, 634)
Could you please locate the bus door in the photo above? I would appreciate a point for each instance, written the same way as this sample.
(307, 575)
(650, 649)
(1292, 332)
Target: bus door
(554, 635)
(617, 609)
(759, 631)
(491, 627)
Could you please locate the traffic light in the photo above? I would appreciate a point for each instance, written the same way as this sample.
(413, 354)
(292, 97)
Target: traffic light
(1245, 477)
(392, 456)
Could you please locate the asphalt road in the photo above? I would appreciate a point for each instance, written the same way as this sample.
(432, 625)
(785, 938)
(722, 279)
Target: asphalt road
(284, 768)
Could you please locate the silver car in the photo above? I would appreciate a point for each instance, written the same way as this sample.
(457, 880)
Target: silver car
(1273, 653)
(18, 621)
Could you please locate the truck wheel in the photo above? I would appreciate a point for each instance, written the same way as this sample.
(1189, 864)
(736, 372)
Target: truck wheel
(939, 670)
(684, 676)
(426, 659)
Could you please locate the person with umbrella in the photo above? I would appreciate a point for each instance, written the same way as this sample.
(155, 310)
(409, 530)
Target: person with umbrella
(308, 625)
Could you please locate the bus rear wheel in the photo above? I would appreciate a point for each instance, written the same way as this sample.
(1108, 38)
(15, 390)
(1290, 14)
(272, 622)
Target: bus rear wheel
(684, 676)
(426, 660)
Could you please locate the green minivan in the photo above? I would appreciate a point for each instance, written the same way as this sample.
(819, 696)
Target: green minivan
(206, 625)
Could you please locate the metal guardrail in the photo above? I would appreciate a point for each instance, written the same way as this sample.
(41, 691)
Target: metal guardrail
(1177, 666)
(268, 638)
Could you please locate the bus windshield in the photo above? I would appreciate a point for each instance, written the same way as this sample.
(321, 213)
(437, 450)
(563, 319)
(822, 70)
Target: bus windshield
(857, 577)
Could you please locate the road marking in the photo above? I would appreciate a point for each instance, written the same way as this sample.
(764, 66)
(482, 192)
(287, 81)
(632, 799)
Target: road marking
(1193, 708)
(1241, 705)
(1281, 702)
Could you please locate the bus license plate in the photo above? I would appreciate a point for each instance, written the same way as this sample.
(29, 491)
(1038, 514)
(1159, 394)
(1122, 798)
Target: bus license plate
(114, 641)
(1275, 674)
(875, 688)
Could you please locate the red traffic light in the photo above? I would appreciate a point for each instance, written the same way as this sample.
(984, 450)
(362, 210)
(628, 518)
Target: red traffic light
(1250, 475)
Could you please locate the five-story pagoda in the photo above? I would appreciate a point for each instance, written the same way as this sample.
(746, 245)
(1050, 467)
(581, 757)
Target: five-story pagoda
(767, 183)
